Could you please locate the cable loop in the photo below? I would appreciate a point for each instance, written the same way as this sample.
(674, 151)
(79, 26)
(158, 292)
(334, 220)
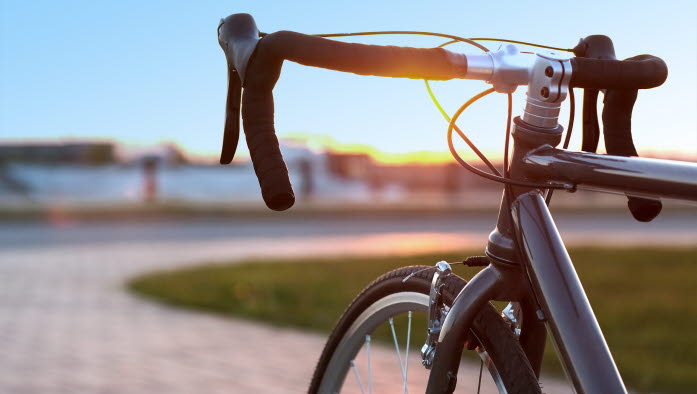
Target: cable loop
(484, 174)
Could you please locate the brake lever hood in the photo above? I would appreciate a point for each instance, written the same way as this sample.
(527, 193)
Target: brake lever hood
(238, 35)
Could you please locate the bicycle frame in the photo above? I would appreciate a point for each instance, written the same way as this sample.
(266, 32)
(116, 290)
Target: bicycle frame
(529, 262)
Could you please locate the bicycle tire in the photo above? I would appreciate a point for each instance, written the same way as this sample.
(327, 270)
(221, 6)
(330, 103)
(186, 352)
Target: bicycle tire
(493, 335)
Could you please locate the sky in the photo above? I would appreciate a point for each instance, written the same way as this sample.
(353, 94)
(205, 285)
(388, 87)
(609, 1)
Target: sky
(147, 72)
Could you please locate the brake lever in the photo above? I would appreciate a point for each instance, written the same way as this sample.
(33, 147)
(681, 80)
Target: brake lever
(231, 133)
(599, 47)
(591, 129)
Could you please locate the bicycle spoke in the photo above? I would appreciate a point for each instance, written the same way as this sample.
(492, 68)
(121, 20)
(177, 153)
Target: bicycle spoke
(399, 354)
(481, 367)
(370, 373)
(406, 357)
(358, 378)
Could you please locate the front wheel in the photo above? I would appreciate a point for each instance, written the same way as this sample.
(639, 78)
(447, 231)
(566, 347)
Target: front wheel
(375, 347)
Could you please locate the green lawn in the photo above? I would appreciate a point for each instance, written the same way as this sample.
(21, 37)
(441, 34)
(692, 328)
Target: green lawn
(645, 301)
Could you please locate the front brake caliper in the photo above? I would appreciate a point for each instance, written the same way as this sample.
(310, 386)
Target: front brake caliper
(512, 315)
(436, 313)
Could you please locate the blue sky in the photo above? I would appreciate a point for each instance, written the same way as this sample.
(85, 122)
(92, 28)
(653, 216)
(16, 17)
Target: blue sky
(144, 72)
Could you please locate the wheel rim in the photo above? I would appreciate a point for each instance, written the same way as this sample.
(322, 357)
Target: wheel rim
(356, 347)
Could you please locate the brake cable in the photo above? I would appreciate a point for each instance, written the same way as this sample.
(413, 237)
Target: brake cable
(454, 39)
(462, 135)
(497, 177)
(406, 32)
(487, 175)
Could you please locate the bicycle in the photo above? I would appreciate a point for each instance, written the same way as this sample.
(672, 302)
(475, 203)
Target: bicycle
(526, 263)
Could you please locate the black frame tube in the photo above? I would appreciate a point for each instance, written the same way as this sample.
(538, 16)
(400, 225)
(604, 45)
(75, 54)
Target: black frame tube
(568, 314)
(469, 301)
(630, 175)
(498, 281)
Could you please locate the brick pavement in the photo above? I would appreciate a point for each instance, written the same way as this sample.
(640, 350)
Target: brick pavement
(68, 326)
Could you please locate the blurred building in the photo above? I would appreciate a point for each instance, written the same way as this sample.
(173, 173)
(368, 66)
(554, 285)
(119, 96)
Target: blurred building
(86, 173)
(89, 153)
(164, 155)
(412, 177)
(354, 166)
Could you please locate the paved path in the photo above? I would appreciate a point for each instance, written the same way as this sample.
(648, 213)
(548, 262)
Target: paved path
(68, 326)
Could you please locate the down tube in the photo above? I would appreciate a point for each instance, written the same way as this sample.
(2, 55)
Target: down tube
(568, 313)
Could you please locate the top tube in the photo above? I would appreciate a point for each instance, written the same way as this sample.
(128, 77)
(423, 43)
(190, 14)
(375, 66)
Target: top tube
(631, 175)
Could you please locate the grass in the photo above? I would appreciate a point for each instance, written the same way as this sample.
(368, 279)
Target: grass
(644, 299)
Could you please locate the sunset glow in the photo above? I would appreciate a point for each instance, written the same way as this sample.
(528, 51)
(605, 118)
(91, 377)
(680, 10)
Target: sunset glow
(127, 80)
(322, 143)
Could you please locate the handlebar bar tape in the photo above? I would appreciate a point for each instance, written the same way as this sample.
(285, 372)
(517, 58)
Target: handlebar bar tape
(362, 59)
(238, 36)
(617, 126)
(601, 70)
(258, 121)
(595, 66)
(640, 72)
(256, 66)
